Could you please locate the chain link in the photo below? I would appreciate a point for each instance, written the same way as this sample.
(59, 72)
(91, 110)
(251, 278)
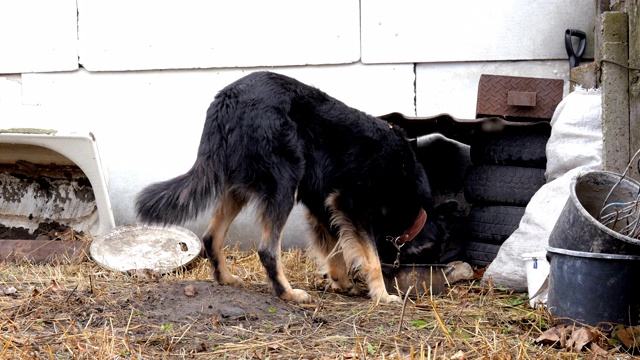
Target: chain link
(398, 245)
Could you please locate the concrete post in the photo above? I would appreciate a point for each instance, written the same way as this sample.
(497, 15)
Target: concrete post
(633, 11)
(615, 90)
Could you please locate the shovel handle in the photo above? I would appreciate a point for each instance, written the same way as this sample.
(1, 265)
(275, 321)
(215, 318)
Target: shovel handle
(574, 54)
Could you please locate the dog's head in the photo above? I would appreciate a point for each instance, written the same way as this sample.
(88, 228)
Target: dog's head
(408, 193)
(431, 245)
(402, 191)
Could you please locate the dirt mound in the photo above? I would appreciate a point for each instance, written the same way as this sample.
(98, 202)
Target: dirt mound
(211, 304)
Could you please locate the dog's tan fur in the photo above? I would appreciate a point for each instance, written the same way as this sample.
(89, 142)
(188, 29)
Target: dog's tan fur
(351, 252)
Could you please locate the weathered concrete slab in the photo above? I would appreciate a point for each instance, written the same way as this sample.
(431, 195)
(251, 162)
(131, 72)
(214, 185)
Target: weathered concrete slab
(584, 75)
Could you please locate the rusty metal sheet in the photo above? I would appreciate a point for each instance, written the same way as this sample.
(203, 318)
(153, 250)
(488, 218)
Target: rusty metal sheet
(514, 97)
(521, 98)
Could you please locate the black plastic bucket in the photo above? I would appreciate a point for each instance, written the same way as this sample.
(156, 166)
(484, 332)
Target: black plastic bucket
(593, 288)
(577, 227)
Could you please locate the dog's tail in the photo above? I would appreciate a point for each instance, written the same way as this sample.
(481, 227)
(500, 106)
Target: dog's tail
(177, 200)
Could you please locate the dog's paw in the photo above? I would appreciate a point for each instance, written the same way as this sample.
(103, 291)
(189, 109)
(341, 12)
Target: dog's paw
(231, 280)
(347, 287)
(296, 295)
(356, 290)
(388, 299)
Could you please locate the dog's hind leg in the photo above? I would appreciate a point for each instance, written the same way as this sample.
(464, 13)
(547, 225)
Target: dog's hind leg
(273, 221)
(226, 211)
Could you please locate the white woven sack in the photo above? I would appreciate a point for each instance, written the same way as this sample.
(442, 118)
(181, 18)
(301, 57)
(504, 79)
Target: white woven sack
(575, 145)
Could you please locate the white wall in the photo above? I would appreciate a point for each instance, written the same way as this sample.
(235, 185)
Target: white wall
(38, 35)
(140, 74)
(184, 34)
(422, 31)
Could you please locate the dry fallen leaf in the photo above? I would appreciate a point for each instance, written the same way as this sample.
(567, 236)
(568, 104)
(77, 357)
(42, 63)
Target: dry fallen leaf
(458, 355)
(628, 336)
(478, 273)
(214, 321)
(145, 274)
(56, 288)
(580, 337)
(551, 336)
(594, 348)
(568, 337)
(190, 290)
(565, 331)
(10, 290)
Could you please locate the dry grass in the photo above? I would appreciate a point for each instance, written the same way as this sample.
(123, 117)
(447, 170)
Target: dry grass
(81, 311)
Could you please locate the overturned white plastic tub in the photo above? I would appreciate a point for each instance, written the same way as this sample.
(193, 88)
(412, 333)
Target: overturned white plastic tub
(26, 200)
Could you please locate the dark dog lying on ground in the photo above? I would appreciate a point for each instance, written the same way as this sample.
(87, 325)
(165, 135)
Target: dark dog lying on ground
(273, 141)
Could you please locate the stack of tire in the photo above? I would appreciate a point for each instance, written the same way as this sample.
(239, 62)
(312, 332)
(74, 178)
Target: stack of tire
(507, 169)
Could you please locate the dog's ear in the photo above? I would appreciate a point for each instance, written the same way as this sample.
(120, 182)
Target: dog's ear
(447, 208)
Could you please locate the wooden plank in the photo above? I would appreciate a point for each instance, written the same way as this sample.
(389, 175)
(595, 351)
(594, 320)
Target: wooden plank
(615, 88)
(43, 251)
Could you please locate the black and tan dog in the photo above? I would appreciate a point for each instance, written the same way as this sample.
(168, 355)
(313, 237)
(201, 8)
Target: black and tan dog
(273, 141)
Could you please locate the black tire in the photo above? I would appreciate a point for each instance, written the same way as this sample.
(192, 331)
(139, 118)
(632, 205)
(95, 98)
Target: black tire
(502, 185)
(481, 254)
(493, 224)
(516, 146)
(479, 263)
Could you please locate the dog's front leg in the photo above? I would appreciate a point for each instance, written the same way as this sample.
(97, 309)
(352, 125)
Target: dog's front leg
(329, 255)
(373, 275)
(360, 253)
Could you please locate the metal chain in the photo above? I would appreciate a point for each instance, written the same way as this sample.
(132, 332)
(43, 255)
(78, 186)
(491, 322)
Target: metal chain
(395, 242)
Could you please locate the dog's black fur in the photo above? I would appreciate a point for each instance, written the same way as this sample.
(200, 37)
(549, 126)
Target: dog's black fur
(274, 141)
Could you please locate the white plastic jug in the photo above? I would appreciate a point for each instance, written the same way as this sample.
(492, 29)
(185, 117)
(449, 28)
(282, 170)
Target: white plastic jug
(537, 269)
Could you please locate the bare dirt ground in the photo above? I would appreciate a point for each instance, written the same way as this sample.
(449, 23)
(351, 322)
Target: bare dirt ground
(81, 311)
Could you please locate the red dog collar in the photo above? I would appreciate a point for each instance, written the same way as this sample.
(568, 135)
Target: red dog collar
(411, 232)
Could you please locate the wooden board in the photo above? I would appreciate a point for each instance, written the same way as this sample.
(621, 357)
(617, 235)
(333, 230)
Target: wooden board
(43, 251)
